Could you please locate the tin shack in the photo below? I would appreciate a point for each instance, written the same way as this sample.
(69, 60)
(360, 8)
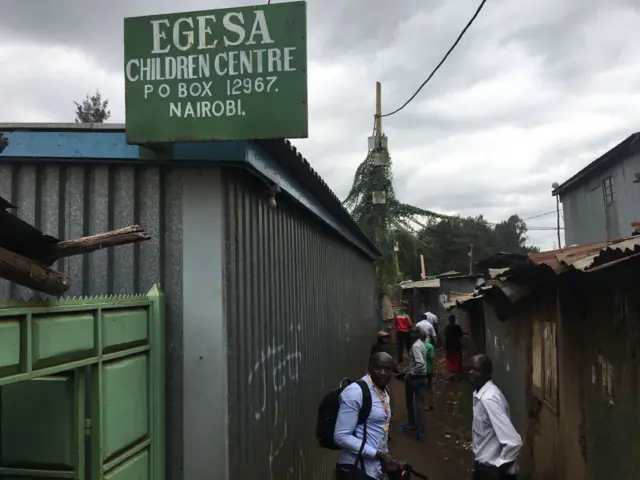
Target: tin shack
(269, 283)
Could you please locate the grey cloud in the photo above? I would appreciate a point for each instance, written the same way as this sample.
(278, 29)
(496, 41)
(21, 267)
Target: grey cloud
(343, 28)
(562, 40)
(565, 150)
(375, 32)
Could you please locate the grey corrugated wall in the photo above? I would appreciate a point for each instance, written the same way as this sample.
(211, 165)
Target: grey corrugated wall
(300, 317)
(69, 200)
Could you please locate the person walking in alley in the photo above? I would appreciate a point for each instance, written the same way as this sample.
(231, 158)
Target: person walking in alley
(364, 450)
(403, 335)
(496, 443)
(383, 344)
(430, 358)
(453, 347)
(432, 318)
(426, 325)
(415, 385)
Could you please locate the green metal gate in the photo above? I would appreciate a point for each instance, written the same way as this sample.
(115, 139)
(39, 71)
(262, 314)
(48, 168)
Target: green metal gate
(82, 389)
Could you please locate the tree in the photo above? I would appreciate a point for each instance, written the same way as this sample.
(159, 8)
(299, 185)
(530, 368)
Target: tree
(445, 243)
(386, 222)
(92, 109)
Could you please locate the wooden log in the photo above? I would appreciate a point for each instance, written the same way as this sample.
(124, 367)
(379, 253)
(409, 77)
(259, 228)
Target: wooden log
(32, 274)
(113, 238)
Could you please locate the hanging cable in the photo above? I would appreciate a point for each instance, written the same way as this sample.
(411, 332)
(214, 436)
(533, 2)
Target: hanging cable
(475, 15)
(540, 215)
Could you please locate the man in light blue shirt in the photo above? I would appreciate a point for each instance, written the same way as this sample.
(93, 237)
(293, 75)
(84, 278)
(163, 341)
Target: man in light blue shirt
(370, 454)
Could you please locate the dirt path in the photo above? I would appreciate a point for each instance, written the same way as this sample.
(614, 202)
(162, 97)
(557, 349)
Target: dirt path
(445, 453)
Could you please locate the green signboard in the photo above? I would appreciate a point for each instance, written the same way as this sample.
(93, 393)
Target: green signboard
(235, 73)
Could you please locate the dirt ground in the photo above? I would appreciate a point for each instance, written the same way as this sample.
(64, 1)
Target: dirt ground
(445, 453)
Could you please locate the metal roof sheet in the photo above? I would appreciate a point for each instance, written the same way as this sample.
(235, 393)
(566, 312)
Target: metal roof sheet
(433, 283)
(598, 257)
(282, 151)
(462, 298)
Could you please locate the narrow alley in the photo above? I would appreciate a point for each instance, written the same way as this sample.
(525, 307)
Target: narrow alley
(445, 453)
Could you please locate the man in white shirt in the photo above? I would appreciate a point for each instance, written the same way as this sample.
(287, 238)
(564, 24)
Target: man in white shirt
(434, 320)
(416, 386)
(426, 326)
(496, 443)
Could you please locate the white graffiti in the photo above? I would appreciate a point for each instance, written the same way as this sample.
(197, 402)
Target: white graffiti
(277, 368)
(278, 365)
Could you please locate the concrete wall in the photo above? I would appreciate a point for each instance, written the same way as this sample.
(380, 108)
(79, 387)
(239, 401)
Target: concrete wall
(586, 219)
(300, 309)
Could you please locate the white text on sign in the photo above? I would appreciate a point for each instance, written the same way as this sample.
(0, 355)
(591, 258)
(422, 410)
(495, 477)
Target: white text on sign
(210, 83)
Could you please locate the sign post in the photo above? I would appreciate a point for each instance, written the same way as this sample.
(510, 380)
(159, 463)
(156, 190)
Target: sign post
(235, 73)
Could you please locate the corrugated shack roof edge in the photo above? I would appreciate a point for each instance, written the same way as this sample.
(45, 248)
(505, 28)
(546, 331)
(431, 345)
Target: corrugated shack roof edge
(288, 155)
(585, 258)
(281, 150)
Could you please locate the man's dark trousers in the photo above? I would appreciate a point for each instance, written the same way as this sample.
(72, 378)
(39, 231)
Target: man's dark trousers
(404, 341)
(415, 390)
(485, 472)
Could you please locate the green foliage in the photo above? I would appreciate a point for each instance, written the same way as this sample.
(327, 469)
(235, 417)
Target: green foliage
(443, 240)
(381, 222)
(445, 244)
(92, 109)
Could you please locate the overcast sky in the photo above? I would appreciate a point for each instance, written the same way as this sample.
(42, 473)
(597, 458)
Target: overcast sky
(535, 91)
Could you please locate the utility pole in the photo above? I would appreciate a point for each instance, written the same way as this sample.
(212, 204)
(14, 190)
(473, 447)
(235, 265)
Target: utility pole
(471, 258)
(558, 219)
(378, 196)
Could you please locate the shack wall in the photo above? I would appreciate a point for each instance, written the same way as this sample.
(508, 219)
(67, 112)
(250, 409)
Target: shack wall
(571, 441)
(508, 346)
(300, 308)
(611, 376)
(72, 199)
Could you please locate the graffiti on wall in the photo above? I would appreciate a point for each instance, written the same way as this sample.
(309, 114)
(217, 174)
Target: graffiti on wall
(277, 368)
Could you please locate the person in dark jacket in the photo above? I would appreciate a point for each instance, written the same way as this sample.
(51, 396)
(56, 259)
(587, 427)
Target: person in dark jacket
(383, 344)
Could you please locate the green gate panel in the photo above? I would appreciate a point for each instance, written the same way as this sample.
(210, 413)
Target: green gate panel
(59, 338)
(125, 404)
(42, 428)
(47, 352)
(136, 468)
(38, 422)
(124, 328)
(9, 344)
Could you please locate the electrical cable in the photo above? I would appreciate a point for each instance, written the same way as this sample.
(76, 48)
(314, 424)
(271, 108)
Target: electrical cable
(541, 215)
(475, 15)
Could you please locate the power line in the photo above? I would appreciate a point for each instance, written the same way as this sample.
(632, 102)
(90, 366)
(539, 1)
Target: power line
(455, 44)
(541, 215)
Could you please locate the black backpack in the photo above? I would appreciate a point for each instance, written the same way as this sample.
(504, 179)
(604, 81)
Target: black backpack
(328, 413)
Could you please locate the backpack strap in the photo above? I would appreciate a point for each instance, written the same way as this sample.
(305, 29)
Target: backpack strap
(365, 411)
(367, 402)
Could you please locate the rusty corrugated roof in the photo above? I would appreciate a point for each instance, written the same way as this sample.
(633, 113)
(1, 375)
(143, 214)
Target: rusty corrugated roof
(589, 255)
(613, 252)
(575, 252)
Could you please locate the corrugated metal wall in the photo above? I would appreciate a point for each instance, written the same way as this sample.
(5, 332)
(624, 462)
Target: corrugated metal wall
(301, 316)
(69, 200)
